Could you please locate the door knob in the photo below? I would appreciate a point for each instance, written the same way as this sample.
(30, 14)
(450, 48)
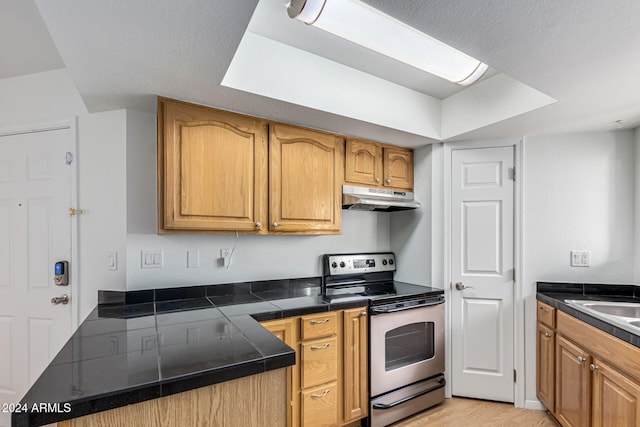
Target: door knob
(461, 286)
(64, 299)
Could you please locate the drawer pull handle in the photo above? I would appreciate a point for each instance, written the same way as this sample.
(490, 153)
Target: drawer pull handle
(318, 322)
(320, 347)
(317, 396)
(546, 310)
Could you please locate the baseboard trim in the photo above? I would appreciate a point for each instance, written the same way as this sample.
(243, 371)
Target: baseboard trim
(534, 404)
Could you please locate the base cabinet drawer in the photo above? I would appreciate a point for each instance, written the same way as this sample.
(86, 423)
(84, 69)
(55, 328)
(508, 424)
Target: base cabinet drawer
(319, 362)
(318, 325)
(320, 406)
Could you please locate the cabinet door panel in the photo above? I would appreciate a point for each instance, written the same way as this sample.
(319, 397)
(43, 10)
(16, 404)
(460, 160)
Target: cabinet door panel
(398, 167)
(212, 169)
(572, 384)
(363, 162)
(545, 368)
(306, 175)
(355, 370)
(616, 398)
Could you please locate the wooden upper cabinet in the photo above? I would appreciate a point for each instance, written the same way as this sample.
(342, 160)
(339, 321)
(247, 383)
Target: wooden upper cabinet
(398, 167)
(373, 164)
(306, 171)
(363, 162)
(212, 169)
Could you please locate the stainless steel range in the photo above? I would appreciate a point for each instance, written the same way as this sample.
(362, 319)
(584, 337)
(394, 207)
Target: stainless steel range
(406, 333)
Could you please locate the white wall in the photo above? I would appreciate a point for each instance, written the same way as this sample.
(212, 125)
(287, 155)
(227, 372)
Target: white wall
(255, 257)
(636, 238)
(578, 195)
(39, 97)
(102, 194)
(410, 233)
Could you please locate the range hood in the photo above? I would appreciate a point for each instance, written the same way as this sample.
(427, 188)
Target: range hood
(377, 199)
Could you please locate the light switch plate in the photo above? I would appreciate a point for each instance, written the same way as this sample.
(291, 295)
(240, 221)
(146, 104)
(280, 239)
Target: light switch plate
(152, 258)
(112, 260)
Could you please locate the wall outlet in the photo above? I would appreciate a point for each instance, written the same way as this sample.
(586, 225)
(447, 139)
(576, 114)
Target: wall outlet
(580, 259)
(152, 258)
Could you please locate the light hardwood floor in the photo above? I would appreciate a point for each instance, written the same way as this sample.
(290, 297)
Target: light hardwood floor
(458, 411)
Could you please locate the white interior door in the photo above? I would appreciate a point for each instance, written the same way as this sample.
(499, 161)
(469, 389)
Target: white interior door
(35, 232)
(482, 264)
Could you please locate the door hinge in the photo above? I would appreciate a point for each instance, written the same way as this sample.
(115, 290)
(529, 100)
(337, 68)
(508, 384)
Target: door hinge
(68, 158)
(514, 376)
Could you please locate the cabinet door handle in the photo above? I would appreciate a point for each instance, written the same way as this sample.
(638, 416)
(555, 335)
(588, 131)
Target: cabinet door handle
(546, 310)
(320, 347)
(377, 179)
(317, 396)
(593, 367)
(258, 224)
(318, 322)
(364, 313)
(547, 334)
(275, 224)
(581, 359)
(388, 181)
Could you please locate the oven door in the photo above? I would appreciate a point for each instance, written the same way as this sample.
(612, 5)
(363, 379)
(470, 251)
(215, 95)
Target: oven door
(406, 346)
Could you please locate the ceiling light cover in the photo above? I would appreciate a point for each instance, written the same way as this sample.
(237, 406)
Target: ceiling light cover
(360, 23)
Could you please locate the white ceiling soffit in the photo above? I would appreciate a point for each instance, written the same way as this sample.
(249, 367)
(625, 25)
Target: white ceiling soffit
(326, 73)
(25, 45)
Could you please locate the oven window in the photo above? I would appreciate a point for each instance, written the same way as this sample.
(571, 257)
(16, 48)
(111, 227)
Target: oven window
(408, 344)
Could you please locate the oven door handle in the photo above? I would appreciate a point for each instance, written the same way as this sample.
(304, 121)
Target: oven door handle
(441, 384)
(381, 310)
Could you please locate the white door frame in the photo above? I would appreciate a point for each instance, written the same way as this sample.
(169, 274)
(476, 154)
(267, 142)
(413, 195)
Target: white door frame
(518, 292)
(72, 125)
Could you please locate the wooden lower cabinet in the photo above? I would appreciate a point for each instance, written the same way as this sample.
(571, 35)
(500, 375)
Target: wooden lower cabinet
(596, 376)
(572, 384)
(616, 398)
(329, 383)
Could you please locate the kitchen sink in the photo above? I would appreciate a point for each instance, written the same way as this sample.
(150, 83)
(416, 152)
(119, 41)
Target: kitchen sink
(625, 315)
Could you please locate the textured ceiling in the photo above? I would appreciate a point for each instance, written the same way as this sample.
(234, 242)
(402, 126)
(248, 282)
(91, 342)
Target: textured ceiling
(584, 53)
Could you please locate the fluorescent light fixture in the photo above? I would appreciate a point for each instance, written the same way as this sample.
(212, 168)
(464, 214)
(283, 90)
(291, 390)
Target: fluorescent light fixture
(360, 23)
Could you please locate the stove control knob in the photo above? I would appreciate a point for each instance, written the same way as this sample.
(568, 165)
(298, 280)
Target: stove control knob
(390, 261)
(334, 264)
(342, 264)
(384, 262)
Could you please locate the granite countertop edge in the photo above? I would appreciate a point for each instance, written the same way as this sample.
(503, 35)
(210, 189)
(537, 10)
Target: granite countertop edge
(555, 293)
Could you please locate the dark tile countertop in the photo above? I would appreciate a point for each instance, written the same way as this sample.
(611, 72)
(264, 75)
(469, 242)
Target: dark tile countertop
(141, 345)
(555, 293)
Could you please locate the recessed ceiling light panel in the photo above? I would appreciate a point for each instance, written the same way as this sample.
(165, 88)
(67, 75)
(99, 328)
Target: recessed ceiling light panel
(360, 23)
